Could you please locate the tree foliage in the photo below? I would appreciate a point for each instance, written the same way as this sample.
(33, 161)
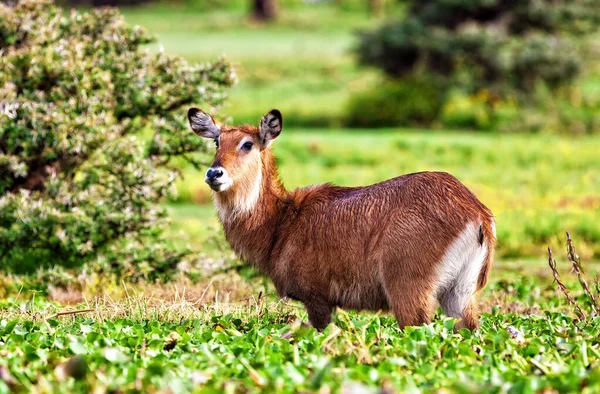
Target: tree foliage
(502, 45)
(80, 180)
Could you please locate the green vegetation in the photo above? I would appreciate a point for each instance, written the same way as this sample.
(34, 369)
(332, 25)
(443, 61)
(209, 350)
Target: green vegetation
(149, 343)
(410, 102)
(77, 183)
(538, 187)
(483, 44)
(526, 52)
(302, 63)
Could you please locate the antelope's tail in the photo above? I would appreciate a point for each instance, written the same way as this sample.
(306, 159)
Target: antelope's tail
(487, 235)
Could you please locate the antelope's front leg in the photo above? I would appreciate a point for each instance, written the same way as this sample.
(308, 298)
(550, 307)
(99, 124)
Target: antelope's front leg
(319, 313)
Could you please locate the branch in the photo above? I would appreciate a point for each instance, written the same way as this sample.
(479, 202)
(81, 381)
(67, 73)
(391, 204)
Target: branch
(198, 165)
(576, 263)
(562, 287)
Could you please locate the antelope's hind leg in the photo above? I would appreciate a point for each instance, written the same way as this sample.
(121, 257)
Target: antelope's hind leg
(461, 305)
(460, 272)
(410, 299)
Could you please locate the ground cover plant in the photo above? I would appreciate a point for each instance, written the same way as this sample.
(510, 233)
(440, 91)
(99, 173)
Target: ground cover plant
(228, 331)
(182, 340)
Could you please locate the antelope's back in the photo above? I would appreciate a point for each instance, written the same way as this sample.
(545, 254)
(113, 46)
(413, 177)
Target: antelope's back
(428, 208)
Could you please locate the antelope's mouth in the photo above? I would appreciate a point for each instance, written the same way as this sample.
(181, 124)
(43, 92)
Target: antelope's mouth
(218, 185)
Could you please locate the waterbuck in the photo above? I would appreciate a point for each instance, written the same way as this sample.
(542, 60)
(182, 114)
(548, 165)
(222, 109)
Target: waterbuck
(399, 245)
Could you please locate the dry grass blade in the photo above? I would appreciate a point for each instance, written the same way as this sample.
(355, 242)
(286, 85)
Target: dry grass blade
(561, 286)
(578, 269)
(71, 312)
(597, 287)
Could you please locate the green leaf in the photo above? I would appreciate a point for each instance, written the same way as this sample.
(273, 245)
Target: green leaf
(114, 355)
(77, 348)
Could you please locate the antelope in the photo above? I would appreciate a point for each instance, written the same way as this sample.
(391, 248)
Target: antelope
(399, 245)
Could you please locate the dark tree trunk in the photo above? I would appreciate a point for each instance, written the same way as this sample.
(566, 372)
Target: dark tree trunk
(376, 7)
(264, 10)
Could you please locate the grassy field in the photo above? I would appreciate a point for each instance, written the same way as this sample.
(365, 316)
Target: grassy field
(302, 64)
(193, 337)
(224, 330)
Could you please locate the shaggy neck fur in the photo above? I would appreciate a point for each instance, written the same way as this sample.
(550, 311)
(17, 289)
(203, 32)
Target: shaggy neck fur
(251, 211)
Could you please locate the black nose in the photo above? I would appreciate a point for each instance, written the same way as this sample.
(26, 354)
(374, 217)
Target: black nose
(211, 174)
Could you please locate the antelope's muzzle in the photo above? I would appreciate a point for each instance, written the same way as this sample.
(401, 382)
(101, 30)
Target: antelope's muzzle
(217, 179)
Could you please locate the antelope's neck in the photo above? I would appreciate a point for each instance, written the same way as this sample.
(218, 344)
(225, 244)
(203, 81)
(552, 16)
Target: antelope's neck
(251, 213)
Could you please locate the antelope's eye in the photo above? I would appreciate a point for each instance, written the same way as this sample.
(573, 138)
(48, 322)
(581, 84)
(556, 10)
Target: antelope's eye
(247, 146)
(217, 142)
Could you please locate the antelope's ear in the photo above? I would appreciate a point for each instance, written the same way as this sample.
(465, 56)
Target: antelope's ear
(203, 124)
(270, 127)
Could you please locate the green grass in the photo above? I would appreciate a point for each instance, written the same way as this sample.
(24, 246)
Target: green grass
(150, 342)
(302, 64)
(538, 186)
(229, 333)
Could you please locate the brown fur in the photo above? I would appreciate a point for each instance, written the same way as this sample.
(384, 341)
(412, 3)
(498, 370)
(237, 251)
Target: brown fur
(372, 248)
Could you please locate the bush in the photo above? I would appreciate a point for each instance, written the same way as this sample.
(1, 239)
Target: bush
(468, 112)
(507, 48)
(78, 184)
(405, 102)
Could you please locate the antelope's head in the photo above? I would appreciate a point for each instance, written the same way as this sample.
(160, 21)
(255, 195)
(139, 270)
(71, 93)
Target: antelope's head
(237, 163)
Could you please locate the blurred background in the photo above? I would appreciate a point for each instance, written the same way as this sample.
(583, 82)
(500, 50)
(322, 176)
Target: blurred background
(503, 94)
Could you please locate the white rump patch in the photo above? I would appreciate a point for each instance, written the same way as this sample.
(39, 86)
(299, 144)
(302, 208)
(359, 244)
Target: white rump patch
(459, 271)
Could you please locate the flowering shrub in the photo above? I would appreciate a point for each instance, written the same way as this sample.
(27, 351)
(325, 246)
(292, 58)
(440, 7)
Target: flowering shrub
(79, 183)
